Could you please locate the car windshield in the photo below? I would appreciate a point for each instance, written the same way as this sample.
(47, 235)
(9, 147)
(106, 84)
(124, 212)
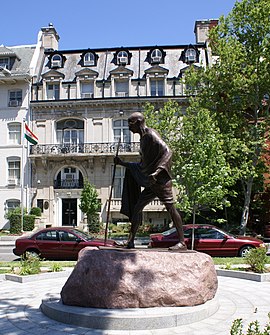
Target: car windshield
(168, 232)
(82, 235)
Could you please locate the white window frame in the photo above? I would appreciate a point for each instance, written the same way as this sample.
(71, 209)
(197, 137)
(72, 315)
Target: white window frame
(156, 56)
(14, 133)
(122, 58)
(87, 89)
(12, 204)
(14, 170)
(121, 88)
(89, 59)
(5, 62)
(190, 55)
(56, 61)
(121, 130)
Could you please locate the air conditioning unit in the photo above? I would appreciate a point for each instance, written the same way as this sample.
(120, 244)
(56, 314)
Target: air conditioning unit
(123, 60)
(13, 182)
(56, 63)
(87, 95)
(190, 58)
(13, 103)
(69, 176)
(156, 59)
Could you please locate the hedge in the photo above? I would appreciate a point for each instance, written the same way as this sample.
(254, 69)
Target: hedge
(16, 226)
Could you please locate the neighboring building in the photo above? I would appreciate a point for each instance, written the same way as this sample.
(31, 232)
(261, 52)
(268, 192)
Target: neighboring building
(80, 104)
(17, 67)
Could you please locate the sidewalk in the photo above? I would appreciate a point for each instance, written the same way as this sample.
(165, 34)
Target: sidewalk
(20, 313)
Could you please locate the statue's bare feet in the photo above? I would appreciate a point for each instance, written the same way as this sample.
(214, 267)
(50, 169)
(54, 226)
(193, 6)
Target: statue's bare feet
(178, 247)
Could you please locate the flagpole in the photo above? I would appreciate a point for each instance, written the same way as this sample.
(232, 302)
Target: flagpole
(22, 176)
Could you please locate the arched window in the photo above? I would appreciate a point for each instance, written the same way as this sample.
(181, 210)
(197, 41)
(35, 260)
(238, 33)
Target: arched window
(11, 204)
(190, 55)
(70, 133)
(156, 56)
(89, 59)
(69, 177)
(122, 57)
(56, 61)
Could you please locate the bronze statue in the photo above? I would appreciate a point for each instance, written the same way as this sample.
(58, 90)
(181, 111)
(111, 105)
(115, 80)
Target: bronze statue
(152, 173)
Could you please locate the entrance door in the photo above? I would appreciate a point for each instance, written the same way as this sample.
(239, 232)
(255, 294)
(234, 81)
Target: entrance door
(69, 212)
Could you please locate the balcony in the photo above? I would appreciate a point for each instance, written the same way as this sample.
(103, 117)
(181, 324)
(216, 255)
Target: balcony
(153, 206)
(84, 148)
(68, 183)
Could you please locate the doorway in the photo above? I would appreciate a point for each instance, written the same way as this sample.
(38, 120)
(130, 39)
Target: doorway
(69, 212)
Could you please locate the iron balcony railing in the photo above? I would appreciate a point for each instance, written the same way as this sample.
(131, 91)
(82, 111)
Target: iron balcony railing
(84, 148)
(67, 183)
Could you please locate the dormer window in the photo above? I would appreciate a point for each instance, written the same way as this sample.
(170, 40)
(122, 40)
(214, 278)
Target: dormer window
(4, 63)
(122, 58)
(89, 59)
(156, 56)
(56, 61)
(190, 55)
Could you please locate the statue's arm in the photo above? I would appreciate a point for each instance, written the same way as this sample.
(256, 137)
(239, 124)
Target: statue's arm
(119, 161)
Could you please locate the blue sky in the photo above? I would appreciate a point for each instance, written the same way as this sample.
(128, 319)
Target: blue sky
(105, 23)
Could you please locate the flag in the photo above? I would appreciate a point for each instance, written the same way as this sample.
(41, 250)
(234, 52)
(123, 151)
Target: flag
(30, 136)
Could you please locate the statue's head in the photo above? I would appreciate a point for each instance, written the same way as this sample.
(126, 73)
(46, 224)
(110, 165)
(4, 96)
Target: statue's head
(136, 122)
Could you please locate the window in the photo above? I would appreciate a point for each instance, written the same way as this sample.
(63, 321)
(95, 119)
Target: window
(48, 236)
(4, 62)
(190, 55)
(87, 90)
(69, 177)
(156, 56)
(122, 58)
(56, 61)
(70, 132)
(53, 91)
(15, 98)
(14, 133)
(11, 204)
(157, 87)
(67, 236)
(121, 130)
(89, 59)
(119, 181)
(121, 88)
(40, 204)
(14, 165)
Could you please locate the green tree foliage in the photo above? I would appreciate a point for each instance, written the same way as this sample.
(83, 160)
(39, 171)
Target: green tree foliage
(235, 88)
(90, 205)
(199, 163)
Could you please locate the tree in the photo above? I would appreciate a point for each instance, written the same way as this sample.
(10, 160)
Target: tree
(90, 205)
(235, 88)
(199, 164)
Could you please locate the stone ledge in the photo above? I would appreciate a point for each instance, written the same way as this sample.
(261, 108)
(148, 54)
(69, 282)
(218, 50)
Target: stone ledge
(40, 276)
(259, 277)
(129, 318)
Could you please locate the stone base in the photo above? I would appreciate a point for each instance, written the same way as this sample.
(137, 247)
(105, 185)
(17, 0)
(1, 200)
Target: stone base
(128, 319)
(112, 278)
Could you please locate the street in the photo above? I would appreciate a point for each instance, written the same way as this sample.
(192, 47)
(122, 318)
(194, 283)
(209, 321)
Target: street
(6, 254)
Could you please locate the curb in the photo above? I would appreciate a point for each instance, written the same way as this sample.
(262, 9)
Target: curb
(127, 318)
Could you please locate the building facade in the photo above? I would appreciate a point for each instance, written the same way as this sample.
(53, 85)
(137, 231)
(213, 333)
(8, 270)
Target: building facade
(80, 103)
(18, 65)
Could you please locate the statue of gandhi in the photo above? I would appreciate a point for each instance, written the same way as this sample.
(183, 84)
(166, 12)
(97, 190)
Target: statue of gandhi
(152, 173)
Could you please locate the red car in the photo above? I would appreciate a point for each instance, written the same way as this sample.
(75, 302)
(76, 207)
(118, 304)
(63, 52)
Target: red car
(208, 239)
(57, 243)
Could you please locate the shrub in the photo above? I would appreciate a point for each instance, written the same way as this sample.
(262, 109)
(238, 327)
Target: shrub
(28, 222)
(36, 211)
(30, 265)
(257, 259)
(55, 267)
(253, 328)
(15, 223)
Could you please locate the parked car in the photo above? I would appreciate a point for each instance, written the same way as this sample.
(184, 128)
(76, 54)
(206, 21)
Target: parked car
(208, 239)
(57, 243)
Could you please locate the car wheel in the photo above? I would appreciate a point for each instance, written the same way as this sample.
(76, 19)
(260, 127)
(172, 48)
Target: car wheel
(31, 253)
(245, 250)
